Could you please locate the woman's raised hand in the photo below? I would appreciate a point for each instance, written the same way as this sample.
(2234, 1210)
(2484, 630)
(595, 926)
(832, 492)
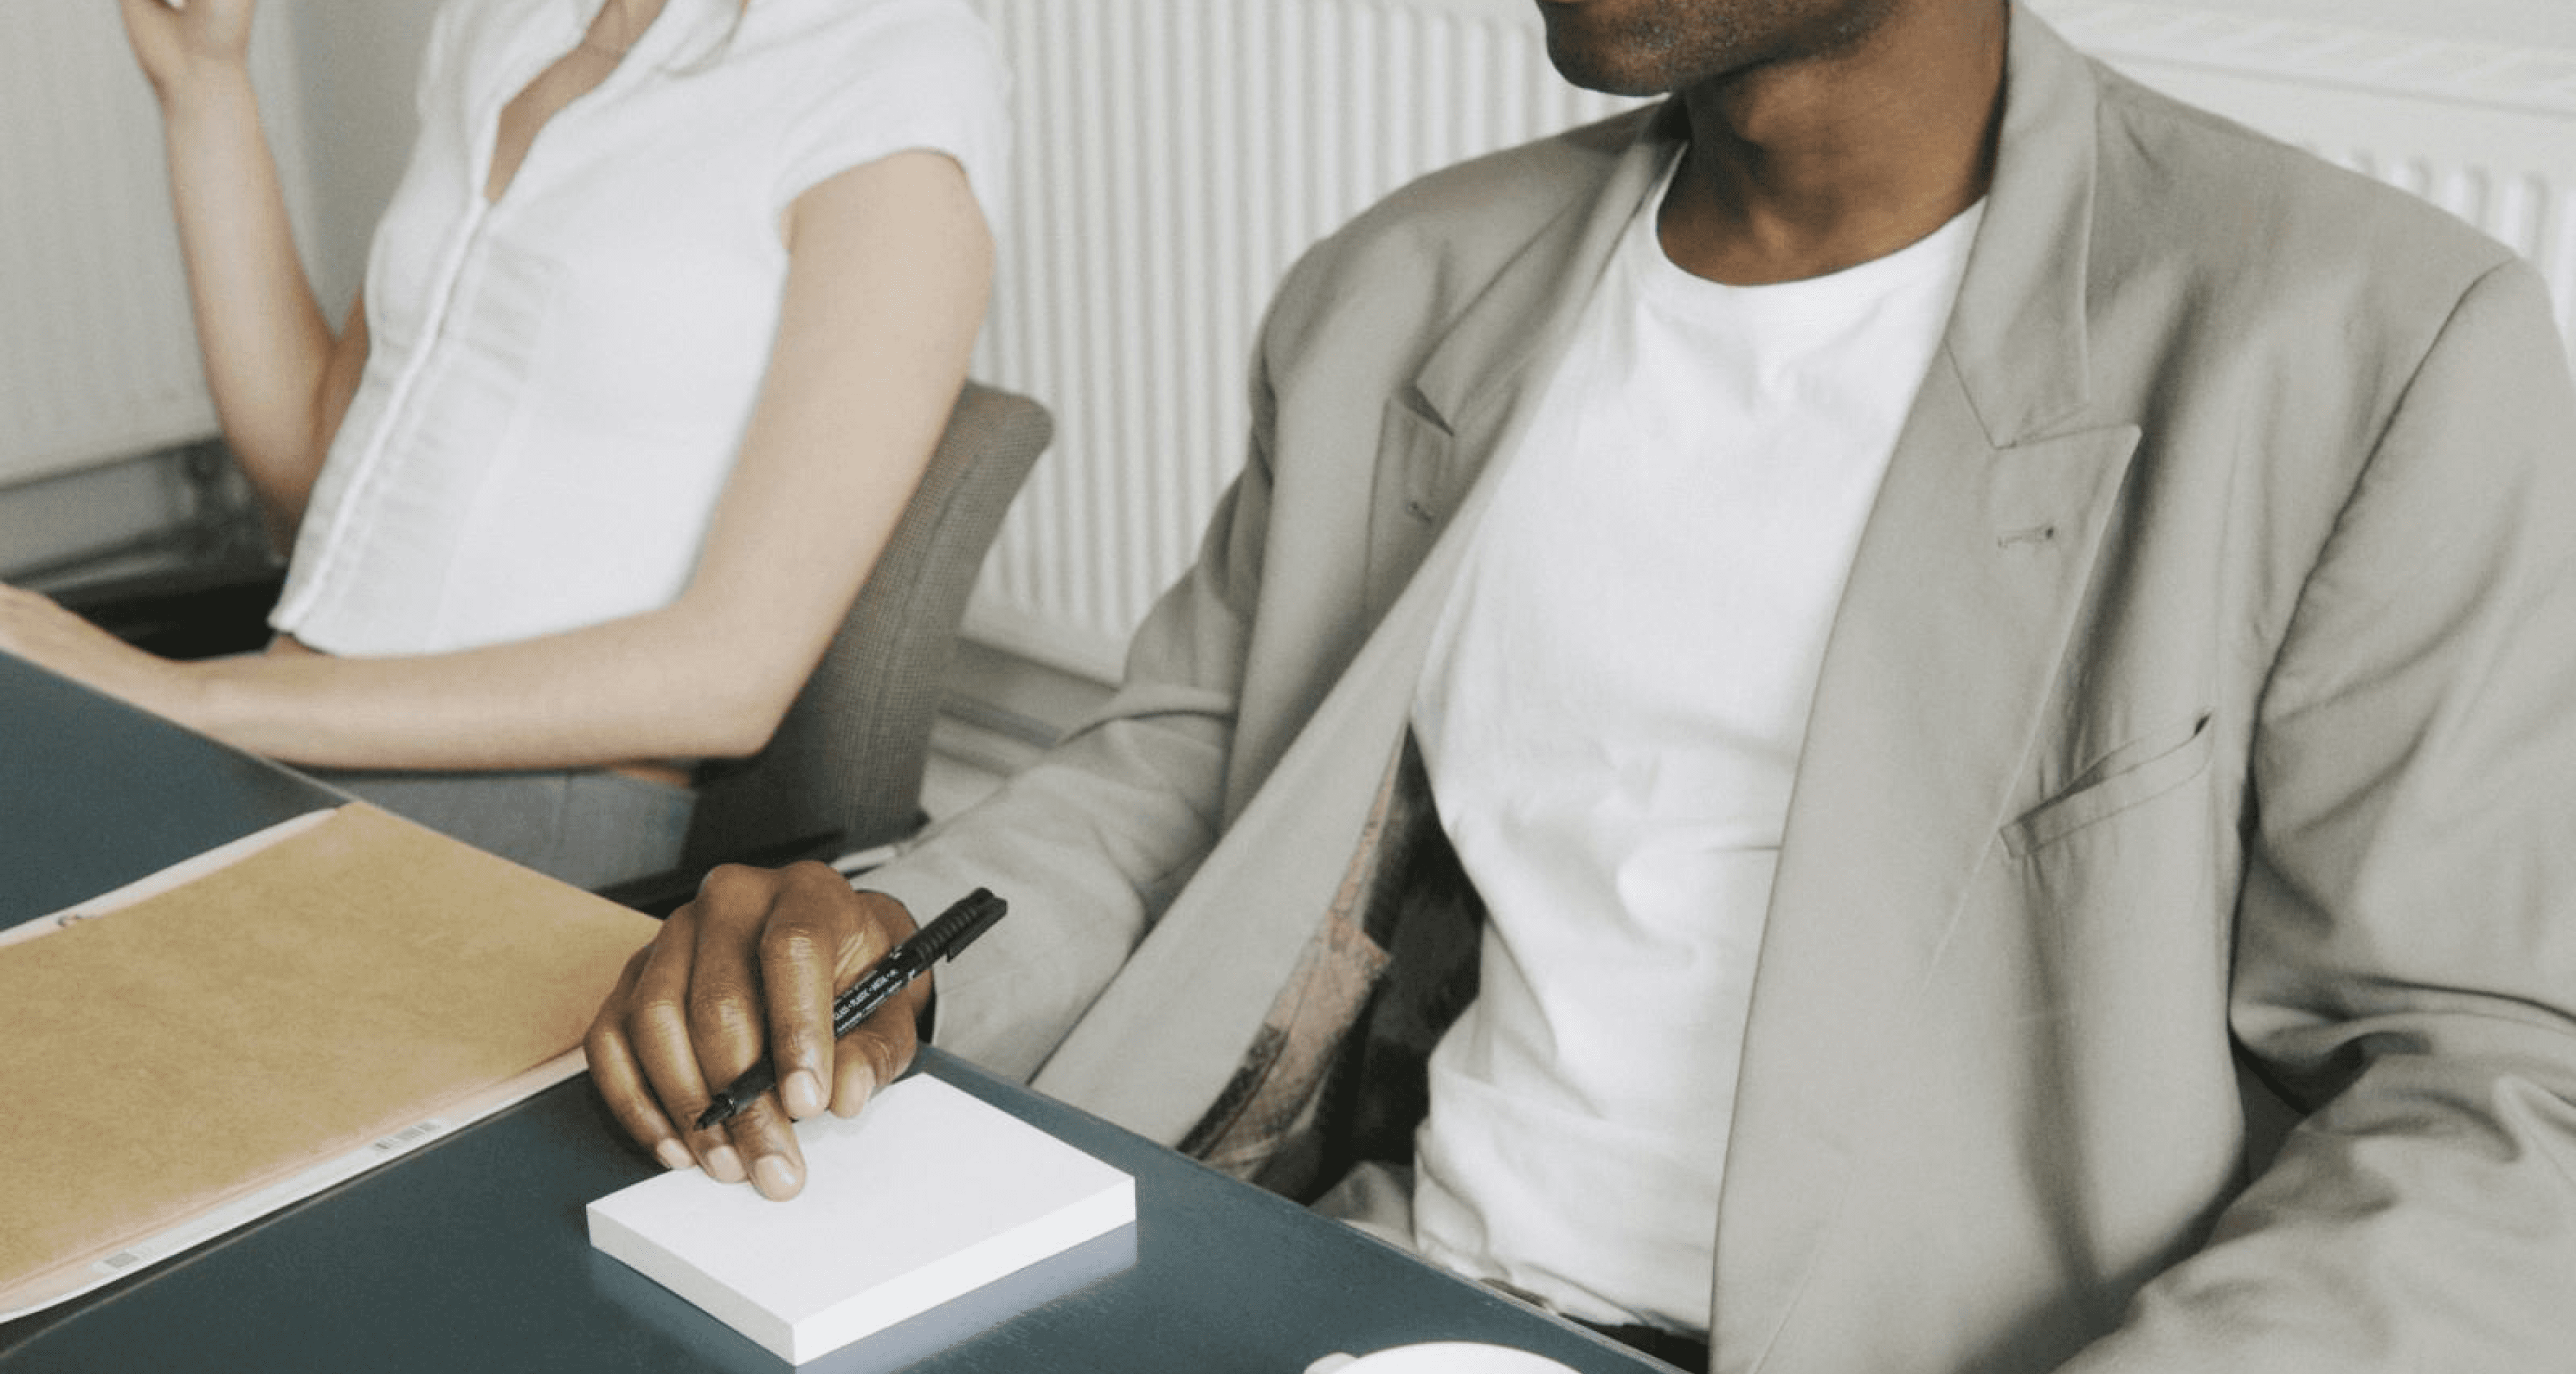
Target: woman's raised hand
(176, 40)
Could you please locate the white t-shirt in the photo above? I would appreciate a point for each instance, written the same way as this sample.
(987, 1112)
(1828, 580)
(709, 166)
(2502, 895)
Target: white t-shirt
(557, 383)
(1611, 714)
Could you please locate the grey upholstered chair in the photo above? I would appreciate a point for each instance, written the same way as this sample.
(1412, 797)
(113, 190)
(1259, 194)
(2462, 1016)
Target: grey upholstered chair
(844, 771)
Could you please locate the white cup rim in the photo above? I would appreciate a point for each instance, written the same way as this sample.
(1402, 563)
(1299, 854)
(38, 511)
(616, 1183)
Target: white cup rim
(1441, 1357)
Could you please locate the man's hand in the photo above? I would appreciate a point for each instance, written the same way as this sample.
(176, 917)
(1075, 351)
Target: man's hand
(753, 963)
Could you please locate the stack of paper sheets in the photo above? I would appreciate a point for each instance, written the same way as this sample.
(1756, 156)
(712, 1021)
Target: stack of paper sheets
(927, 1196)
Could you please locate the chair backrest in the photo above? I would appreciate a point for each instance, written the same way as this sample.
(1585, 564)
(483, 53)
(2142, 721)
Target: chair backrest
(844, 771)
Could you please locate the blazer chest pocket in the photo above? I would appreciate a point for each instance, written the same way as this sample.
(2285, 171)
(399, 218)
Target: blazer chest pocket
(2132, 774)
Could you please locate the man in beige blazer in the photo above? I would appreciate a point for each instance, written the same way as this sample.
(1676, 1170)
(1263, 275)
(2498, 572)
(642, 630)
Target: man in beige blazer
(2171, 963)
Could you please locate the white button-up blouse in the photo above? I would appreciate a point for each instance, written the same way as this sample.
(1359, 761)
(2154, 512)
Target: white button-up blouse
(557, 382)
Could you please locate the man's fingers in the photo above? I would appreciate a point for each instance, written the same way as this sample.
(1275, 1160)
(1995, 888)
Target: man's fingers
(874, 1055)
(659, 1033)
(765, 1140)
(813, 933)
(751, 968)
(766, 951)
(880, 1048)
(621, 1080)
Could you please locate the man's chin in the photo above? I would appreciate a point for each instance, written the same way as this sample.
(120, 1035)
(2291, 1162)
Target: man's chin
(1590, 50)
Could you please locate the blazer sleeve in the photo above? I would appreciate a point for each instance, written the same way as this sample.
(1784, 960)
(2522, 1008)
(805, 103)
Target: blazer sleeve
(2406, 940)
(1092, 841)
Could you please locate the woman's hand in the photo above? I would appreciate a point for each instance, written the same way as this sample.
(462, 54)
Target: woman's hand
(37, 630)
(174, 43)
(751, 966)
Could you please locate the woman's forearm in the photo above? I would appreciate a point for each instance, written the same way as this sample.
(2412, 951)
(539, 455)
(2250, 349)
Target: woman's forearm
(268, 349)
(669, 684)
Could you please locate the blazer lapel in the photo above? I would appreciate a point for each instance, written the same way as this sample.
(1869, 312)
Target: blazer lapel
(1166, 1037)
(1945, 647)
(1479, 385)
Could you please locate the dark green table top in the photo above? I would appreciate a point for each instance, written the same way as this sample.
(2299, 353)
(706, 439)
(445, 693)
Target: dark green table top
(94, 794)
(471, 1253)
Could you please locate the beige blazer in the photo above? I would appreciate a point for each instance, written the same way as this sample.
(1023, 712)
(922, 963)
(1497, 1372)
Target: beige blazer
(2197, 732)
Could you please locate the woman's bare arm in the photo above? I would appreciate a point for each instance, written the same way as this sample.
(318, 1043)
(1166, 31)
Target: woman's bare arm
(279, 376)
(889, 267)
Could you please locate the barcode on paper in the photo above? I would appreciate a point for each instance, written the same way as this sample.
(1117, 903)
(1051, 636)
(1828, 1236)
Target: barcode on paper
(409, 1136)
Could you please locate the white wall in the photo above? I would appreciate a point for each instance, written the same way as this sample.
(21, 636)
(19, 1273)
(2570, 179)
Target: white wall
(95, 353)
(97, 359)
(88, 414)
(344, 111)
(358, 61)
(2518, 23)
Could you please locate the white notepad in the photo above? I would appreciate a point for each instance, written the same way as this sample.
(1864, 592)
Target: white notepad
(928, 1195)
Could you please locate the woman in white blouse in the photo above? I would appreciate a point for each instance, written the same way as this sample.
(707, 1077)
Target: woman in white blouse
(656, 338)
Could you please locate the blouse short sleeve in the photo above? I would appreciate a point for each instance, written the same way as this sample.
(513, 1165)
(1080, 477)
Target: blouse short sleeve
(908, 74)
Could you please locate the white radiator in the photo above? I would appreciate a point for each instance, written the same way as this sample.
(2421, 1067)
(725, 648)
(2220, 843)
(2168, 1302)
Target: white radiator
(1175, 155)
(98, 360)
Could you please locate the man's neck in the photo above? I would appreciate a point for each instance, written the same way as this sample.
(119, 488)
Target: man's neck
(1800, 169)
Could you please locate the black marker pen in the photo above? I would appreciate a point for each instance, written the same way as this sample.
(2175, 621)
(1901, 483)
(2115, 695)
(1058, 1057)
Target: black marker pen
(954, 929)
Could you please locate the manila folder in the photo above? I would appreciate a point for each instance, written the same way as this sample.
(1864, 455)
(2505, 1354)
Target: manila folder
(365, 974)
